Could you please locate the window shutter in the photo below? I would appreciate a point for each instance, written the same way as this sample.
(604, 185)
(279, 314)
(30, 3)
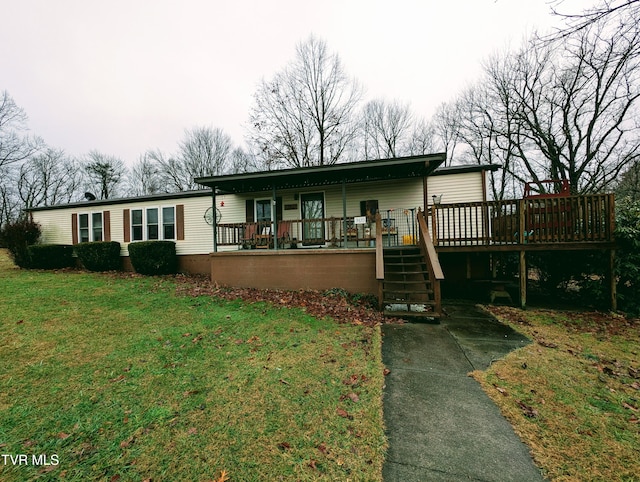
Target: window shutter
(278, 209)
(74, 228)
(106, 221)
(249, 211)
(180, 222)
(126, 225)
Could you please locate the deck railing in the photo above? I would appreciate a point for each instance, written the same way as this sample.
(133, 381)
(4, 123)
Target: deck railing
(557, 220)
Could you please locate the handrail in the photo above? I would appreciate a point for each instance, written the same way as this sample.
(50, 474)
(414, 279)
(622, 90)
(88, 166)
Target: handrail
(379, 249)
(433, 262)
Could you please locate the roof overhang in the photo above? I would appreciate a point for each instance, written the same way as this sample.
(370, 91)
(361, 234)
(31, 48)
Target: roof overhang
(298, 178)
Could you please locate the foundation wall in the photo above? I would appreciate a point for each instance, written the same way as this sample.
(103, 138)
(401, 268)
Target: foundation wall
(352, 270)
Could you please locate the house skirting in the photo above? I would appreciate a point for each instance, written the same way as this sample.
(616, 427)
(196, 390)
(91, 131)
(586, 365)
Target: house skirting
(353, 270)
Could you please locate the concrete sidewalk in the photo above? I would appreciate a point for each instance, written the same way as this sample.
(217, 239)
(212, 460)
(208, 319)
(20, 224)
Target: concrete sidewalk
(441, 426)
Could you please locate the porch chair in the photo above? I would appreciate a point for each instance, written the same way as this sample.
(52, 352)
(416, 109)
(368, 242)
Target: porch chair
(284, 232)
(249, 239)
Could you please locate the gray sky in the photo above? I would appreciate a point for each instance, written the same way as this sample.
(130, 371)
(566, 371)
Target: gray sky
(124, 76)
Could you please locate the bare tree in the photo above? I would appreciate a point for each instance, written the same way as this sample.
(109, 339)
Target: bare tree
(565, 110)
(303, 116)
(386, 129)
(625, 13)
(48, 178)
(14, 145)
(445, 129)
(105, 173)
(241, 161)
(144, 177)
(203, 152)
(423, 139)
(577, 105)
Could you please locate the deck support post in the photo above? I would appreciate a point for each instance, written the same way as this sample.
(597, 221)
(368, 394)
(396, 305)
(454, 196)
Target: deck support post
(612, 280)
(523, 280)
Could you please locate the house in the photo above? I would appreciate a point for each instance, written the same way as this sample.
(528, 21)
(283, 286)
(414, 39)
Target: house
(377, 226)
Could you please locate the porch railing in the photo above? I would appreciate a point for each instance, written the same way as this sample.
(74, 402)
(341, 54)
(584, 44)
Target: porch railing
(571, 219)
(396, 227)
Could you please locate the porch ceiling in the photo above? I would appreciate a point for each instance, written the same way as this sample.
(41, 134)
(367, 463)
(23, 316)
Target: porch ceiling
(364, 171)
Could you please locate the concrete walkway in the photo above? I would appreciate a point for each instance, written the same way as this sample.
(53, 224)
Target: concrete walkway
(441, 426)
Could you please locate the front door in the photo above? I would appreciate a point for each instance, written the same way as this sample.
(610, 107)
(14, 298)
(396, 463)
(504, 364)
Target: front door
(312, 207)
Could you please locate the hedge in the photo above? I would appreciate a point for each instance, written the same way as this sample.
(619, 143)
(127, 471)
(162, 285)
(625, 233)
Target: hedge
(99, 255)
(154, 257)
(50, 256)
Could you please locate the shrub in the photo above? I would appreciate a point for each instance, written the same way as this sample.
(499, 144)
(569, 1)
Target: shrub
(154, 257)
(17, 237)
(99, 255)
(51, 256)
(628, 254)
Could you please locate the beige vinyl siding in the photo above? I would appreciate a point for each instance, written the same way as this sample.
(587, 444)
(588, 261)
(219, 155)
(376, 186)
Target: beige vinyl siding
(198, 235)
(456, 188)
(56, 225)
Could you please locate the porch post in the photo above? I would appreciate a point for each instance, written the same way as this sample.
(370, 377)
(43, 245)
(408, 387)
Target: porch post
(345, 238)
(214, 223)
(274, 219)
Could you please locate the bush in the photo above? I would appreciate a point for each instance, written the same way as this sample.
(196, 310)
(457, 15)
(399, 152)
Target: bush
(17, 237)
(628, 254)
(99, 255)
(50, 256)
(154, 257)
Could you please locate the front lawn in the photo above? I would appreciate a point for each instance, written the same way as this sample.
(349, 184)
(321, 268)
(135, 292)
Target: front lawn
(120, 378)
(573, 395)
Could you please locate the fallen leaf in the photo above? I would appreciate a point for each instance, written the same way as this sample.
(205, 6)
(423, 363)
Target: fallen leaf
(343, 413)
(284, 382)
(284, 446)
(63, 435)
(354, 397)
(527, 410)
(115, 478)
(223, 476)
(312, 464)
(192, 431)
(386, 371)
(501, 390)
(323, 448)
(19, 322)
(117, 379)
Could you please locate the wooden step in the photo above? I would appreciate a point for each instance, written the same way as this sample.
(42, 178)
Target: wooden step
(412, 314)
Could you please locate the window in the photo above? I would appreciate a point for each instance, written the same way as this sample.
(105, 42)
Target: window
(96, 224)
(90, 227)
(83, 228)
(153, 223)
(168, 223)
(137, 225)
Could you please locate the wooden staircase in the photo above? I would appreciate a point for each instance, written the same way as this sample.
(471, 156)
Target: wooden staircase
(407, 288)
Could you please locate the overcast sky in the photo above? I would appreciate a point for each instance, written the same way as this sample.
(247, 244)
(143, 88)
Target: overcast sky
(125, 76)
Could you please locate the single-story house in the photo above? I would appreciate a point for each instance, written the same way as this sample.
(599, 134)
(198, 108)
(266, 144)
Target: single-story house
(389, 227)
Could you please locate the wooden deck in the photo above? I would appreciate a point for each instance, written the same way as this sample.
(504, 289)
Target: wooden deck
(552, 223)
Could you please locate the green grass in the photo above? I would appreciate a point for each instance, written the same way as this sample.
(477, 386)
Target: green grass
(121, 379)
(574, 394)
